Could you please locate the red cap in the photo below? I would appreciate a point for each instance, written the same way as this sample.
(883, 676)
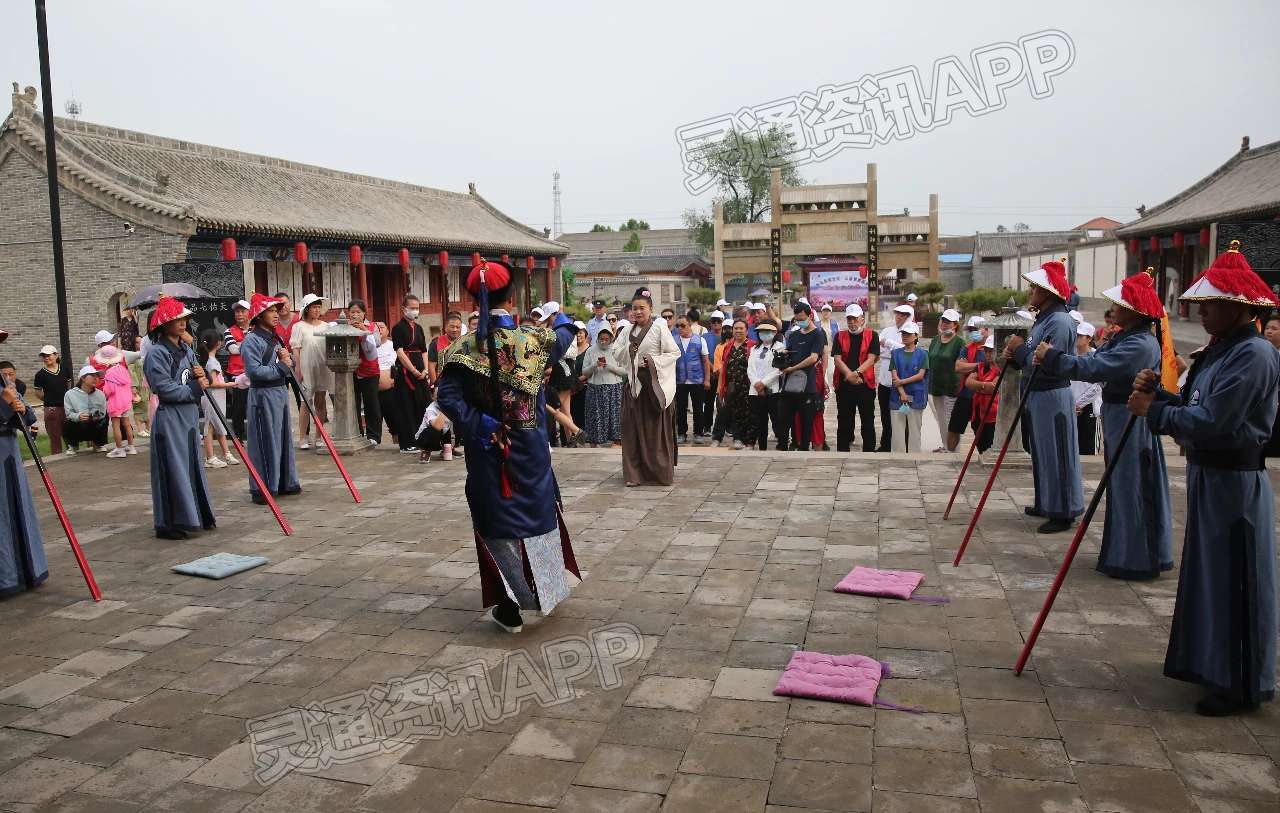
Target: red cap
(494, 276)
(1139, 295)
(167, 309)
(259, 304)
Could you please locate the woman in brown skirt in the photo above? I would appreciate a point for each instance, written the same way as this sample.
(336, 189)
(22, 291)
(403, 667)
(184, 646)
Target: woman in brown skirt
(649, 354)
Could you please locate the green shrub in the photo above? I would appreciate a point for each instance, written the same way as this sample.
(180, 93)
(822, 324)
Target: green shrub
(980, 300)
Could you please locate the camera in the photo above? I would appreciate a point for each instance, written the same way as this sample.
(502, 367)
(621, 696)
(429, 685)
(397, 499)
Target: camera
(782, 359)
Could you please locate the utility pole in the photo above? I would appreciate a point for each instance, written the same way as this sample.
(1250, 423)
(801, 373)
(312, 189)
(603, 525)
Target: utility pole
(51, 168)
(557, 221)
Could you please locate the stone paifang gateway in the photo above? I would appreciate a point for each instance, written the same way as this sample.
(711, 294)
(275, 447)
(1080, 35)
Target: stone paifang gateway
(132, 202)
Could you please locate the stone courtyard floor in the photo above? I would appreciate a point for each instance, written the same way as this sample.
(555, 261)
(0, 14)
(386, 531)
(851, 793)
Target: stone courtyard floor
(141, 702)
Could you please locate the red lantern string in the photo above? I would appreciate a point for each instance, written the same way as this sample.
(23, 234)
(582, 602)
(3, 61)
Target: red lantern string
(357, 256)
(1179, 240)
(300, 252)
(1155, 243)
(229, 253)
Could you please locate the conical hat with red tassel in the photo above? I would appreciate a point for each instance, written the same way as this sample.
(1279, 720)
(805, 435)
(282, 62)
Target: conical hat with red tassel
(259, 304)
(1230, 278)
(1138, 294)
(1051, 276)
(167, 309)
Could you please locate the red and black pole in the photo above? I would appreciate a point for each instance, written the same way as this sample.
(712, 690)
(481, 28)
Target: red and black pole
(977, 435)
(324, 434)
(995, 469)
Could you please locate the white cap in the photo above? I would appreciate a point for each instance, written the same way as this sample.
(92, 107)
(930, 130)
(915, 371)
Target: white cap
(853, 310)
(715, 315)
(1027, 315)
(975, 321)
(551, 307)
(1077, 316)
(103, 336)
(911, 327)
(48, 350)
(538, 313)
(1086, 329)
(911, 297)
(907, 309)
(759, 306)
(749, 305)
(826, 306)
(951, 315)
(244, 303)
(724, 303)
(579, 325)
(88, 369)
(805, 301)
(990, 342)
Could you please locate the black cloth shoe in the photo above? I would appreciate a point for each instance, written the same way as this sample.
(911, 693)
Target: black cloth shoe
(293, 492)
(1054, 526)
(507, 616)
(258, 499)
(170, 533)
(1032, 511)
(1215, 704)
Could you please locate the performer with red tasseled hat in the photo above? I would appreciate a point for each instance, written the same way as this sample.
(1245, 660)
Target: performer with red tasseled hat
(1137, 537)
(22, 561)
(1051, 414)
(266, 363)
(1224, 620)
(491, 390)
(179, 494)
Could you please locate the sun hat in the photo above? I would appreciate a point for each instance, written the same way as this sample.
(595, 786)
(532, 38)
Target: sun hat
(1052, 277)
(951, 315)
(911, 327)
(48, 350)
(308, 301)
(551, 307)
(167, 310)
(260, 304)
(907, 309)
(975, 321)
(108, 355)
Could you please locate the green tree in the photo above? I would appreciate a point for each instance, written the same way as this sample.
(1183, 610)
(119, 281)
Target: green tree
(633, 244)
(601, 227)
(569, 278)
(634, 225)
(702, 298)
(701, 230)
(980, 300)
(741, 164)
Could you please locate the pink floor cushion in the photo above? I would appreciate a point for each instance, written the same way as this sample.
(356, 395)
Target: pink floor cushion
(841, 678)
(870, 581)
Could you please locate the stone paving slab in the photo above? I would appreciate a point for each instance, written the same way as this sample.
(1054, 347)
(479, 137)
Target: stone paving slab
(142, 702)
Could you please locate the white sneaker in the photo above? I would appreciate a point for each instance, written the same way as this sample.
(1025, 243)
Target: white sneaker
(131, 449)
(305, 444)
(230, 458)
(117, 453)
(738, 446)
(447, 452)
(216, 463)
(142, 433)
(70, 452)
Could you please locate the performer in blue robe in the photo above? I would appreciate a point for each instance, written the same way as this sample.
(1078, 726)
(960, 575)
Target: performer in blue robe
(521, 542)
(270, 430)
(1050, 413)
(1224, 619)
(1137, 537)
(179, 494)
(22, 562)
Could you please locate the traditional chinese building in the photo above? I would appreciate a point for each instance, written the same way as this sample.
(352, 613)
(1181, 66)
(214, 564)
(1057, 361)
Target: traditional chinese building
(132, 202)
(832, 229)
(668, 263)
(1239, 200)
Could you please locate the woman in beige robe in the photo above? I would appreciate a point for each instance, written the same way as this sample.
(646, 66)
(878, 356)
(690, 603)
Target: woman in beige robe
(648, 352)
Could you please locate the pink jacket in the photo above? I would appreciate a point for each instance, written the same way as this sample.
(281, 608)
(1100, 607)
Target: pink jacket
(117, 384)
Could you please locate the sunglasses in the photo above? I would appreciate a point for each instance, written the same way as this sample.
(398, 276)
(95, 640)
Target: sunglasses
(613, 318)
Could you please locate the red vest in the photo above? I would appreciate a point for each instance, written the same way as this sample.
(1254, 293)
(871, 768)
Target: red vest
(235, 364)
(368, 368)
(868, 377)
(985, 372)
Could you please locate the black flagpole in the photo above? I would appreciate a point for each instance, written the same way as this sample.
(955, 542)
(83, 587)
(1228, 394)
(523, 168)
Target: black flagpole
(51, 169)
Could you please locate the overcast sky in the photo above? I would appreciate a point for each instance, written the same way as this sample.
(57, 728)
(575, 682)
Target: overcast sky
(505, 94)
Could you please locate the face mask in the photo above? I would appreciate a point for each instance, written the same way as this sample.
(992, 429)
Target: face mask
(411, 313)
(948, 332)
(975, 335)
(603, 344)
(800, 323)
(766, 336)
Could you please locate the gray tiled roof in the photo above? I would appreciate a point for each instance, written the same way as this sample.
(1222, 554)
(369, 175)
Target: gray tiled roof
(231, 192)
(1247, 184)
(1005, 244)
(609, 242)
(586, 265)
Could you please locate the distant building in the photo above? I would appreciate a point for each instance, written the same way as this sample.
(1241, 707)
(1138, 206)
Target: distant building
(825, 227)
(1239, 200)
(668, 263)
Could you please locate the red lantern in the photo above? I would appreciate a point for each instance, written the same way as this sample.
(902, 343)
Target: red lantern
(443, 259)
(862, 271)
(357, 256)
(1204, 236)
(553, 263)
(475, 259)
(1133, 245)
(229, 249)
(506, 260)
(1155, 243)
(404, 259)
(528, 262)
(786, 275)
(300, 252)
(1179, 240)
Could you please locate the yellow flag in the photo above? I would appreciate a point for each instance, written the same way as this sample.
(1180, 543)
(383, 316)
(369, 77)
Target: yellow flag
(1168, 358)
